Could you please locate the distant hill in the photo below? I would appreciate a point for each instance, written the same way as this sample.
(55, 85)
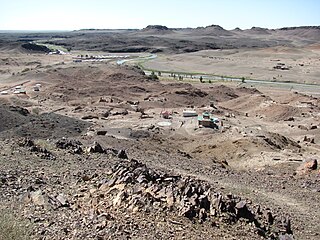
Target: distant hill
(159, 38)
(307, 32)
(213, 30)
(156, 29)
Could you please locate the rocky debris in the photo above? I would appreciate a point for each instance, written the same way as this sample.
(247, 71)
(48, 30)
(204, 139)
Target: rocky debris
(278, 141)
(307, 166)
(137, 188)
(308, 139)
(192, 92)
(139, 134)
(135, 103)
(302, 127)
(73, 145)
(32, 147)
(20, 110)
(97, 148)
(286, 237)
(116, 112)
(122, 154)
(62, 200)
(37, 197)
(89, 117)
(289, 119)
(102, 132)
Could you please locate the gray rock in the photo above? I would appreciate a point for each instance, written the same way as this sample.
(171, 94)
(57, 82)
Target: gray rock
(122, 154)
(63, 202)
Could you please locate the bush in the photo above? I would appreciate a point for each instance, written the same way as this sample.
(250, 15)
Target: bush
(153, 76)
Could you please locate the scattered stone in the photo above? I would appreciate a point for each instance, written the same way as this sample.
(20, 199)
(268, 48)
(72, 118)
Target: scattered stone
(102, 132)
(32, 147)
(95, 148)
(63, 202)
(122, 154)
(307, 166)
(89, 117)
(302, 127)
(286, 237)
(37, 198)
(140, 188)
(119, 112)
(20, 110)
(308, 139)
(311, 164)
(74, 145)
(290, 119)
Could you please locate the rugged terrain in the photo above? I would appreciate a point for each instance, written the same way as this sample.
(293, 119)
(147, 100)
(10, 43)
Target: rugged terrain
(88, 156)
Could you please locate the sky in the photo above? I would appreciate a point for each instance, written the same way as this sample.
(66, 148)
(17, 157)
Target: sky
(123, 14)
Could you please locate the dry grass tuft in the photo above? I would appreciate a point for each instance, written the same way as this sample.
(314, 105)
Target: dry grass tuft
(12, 228)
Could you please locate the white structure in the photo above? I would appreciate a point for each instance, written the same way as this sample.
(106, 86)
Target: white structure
(189, 113)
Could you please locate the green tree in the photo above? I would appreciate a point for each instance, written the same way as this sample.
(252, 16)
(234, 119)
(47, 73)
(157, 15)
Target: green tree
(201, 79)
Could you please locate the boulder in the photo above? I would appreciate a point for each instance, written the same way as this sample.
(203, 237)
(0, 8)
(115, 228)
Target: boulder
(62, 200)
(95, 148)
(307, 166)
(37, 198)
(122, 154)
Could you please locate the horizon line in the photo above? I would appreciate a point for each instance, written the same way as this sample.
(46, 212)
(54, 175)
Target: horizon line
(92, 29)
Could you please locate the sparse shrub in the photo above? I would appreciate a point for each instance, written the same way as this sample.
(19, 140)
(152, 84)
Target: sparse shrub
(201, 79)
(35, 111)
(243, 80)
(153, 76)
(25, 70)
(11, 228)
(209, 80)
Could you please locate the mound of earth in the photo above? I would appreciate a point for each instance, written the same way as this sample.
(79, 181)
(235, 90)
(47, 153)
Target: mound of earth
(245, 148)
(247, 103)
(18, 122)
(277, 112)
(12, 117)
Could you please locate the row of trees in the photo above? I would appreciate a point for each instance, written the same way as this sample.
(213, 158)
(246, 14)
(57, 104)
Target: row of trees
(181, 77)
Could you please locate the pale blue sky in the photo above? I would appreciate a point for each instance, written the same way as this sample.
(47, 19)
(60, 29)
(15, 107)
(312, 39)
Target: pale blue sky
(77, 14)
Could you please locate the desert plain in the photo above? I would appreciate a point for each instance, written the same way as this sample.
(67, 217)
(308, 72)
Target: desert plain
(87, 153)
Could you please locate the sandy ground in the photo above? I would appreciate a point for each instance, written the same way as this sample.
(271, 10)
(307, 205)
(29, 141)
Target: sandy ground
(303, 63)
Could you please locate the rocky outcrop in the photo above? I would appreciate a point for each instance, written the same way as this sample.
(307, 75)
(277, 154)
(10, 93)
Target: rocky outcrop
(134, 186)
